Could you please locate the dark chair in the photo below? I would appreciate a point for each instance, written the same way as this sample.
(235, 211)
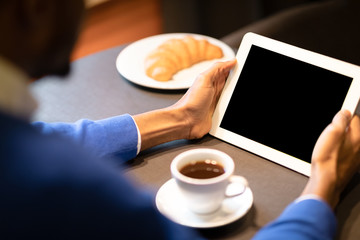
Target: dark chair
(331, 28)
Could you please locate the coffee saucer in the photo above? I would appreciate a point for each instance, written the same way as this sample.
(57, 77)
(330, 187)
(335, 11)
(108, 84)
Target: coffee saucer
(170, 203)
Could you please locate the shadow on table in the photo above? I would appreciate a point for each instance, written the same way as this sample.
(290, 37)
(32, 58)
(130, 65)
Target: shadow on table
(155, 90)
(140, 160)
(173, 146)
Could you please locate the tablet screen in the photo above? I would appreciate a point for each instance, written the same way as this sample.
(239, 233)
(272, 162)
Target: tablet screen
(284, 103)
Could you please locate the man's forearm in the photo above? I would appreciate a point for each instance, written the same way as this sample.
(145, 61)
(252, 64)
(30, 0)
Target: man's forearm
(323, 182)
(160, 126)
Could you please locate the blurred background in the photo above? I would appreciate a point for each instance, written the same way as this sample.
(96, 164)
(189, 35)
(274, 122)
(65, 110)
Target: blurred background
(325, 26)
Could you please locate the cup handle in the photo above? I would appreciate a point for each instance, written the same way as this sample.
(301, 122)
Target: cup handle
(236, 187)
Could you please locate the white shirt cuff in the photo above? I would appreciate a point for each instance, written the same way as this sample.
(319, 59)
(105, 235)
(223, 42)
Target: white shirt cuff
(139, 138)
(309, 196)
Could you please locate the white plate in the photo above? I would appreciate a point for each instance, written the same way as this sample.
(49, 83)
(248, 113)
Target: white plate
(130, 62)
(170, 203)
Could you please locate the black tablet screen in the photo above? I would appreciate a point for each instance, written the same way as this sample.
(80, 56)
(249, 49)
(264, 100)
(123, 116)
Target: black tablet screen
(284, 103)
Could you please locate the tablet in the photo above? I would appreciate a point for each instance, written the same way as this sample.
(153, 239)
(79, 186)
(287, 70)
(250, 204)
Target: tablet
(279, 98)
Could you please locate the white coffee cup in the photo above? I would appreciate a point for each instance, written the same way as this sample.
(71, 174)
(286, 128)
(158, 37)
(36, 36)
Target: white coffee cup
(205, 196)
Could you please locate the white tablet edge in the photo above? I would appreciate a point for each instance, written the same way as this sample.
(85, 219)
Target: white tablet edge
(344, 68)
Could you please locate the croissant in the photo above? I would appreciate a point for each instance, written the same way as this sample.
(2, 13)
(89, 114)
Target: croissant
(176, 54)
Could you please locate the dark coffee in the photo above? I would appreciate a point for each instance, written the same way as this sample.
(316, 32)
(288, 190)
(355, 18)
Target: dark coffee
(203, 169)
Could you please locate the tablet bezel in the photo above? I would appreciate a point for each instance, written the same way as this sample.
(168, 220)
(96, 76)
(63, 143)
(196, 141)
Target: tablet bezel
(325, 62)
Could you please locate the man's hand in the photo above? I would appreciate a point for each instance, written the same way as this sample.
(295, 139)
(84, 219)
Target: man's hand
(191, 116)
(336, 158)
(199, 103)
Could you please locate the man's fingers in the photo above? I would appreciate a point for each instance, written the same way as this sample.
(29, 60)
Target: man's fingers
(228, 65)
(336, 130)
(342, 120)
(331, 138)
(225, 67)
(216, 75)
(221, 67)
(354, 133)
(355, 124)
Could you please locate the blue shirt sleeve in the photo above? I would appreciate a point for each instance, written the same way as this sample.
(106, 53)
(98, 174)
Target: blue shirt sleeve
(112, 136)
(307, 219)
(52, 189)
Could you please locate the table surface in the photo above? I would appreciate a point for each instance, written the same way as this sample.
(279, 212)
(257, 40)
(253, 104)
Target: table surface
(95, 90)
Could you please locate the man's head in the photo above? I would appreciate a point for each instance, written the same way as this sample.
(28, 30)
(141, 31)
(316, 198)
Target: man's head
(39, 35)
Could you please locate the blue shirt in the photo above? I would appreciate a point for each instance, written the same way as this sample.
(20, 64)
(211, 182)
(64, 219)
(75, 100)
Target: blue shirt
(52, 187)
(104, 138)
(56, 180)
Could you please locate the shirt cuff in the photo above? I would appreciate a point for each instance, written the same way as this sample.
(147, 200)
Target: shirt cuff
(139, 137)
(310, 196)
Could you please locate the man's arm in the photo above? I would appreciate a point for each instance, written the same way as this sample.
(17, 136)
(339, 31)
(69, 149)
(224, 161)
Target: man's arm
(334, 162)
(303, 220)
(335, 159)
(191, 116)
(112, 136)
